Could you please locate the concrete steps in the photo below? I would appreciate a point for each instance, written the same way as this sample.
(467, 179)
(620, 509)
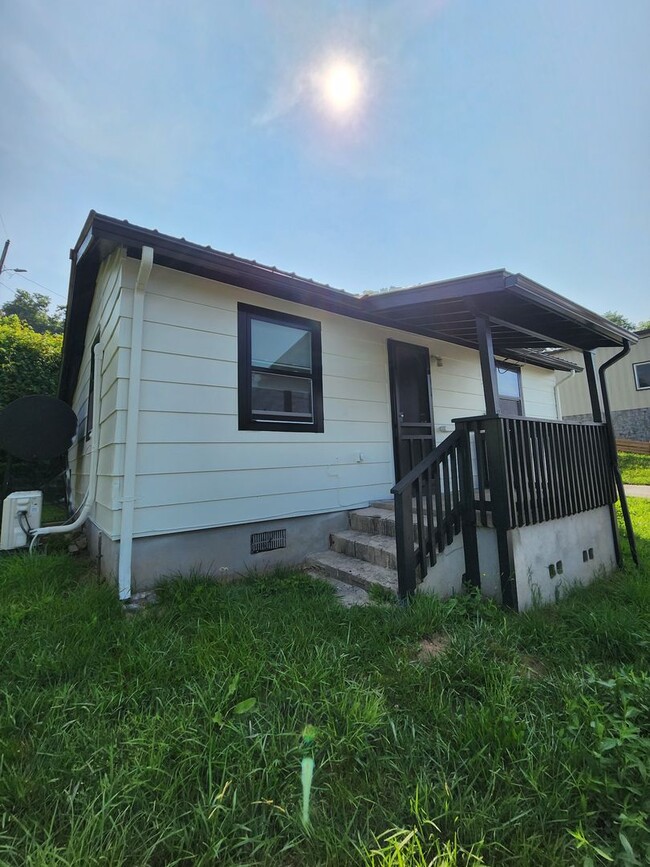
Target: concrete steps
(363, 556)
(358, 573)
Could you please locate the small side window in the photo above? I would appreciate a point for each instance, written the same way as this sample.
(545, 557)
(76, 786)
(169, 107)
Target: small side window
(642, 375)
(91, 388)
(510, 395)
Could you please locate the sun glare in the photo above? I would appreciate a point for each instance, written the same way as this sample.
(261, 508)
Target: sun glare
(341, 86)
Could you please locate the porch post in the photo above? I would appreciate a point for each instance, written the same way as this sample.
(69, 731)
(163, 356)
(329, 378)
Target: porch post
(488, 364)
(594, 397)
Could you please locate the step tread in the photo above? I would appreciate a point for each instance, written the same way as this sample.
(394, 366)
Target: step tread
(371, 540)
(353, 571)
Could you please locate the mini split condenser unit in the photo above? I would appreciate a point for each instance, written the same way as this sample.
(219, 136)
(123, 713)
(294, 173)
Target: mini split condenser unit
(21, 512)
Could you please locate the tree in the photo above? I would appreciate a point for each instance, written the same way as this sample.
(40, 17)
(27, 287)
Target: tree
(619, 319)
(34, 309)
(643, 325)
(29, 361)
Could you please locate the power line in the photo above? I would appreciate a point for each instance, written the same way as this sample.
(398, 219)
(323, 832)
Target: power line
(51, 291)
(4, 225)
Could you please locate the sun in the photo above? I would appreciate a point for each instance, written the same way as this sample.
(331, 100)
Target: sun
(341, 86)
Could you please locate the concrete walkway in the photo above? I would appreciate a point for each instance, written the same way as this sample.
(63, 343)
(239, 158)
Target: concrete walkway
(638, 491)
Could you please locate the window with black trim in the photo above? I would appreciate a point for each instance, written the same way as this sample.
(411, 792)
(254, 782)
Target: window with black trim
(279, 372)
(642, 375)
(91, 389)
(509, 385)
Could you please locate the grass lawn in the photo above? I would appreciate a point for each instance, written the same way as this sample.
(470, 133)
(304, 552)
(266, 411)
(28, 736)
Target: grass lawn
(175, 736)
(635, 469)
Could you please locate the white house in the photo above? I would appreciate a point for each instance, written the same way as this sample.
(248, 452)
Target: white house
(242, 416)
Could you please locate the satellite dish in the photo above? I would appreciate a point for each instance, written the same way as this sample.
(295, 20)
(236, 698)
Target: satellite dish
(37, 427)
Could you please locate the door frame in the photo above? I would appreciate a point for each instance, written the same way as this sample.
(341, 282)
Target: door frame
(392, 346)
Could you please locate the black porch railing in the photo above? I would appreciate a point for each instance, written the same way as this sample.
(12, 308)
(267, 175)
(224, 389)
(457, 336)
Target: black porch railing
(430, 509)
(510, 472)
(535, 470)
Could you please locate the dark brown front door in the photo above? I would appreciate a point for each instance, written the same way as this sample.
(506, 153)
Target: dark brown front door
(410, 396)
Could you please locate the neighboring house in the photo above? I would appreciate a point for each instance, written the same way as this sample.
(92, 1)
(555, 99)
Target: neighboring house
(628, 387)
(244, 416)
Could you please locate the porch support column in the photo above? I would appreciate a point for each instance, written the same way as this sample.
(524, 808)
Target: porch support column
(488, 364)
(592, 382)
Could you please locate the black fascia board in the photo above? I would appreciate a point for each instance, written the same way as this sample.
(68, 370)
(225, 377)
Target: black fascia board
(534, 292)
(443, 290)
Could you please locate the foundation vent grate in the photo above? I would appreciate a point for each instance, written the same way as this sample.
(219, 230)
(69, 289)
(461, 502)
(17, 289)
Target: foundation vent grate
(270, 540)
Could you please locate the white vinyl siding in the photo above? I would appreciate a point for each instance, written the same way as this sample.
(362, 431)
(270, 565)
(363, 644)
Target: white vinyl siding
(195, 468)
(107, 430)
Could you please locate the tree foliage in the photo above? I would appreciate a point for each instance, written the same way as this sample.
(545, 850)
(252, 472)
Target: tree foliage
(34, 309)
(29, 361)
(622, 320)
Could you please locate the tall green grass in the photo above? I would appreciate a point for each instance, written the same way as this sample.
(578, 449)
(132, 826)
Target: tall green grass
(175, 737)
(635, 469)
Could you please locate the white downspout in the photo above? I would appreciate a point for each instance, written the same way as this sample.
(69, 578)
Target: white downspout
(558, 405)
(89, 499)
(132, 415)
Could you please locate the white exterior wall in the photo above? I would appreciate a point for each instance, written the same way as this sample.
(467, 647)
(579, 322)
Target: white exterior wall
(195, 468)
(105, 316)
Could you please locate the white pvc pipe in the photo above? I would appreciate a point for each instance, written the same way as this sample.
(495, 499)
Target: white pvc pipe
(132, 414)
(89, 499)
(558, 405)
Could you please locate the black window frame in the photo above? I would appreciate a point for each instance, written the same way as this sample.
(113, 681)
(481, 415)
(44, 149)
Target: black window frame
(505, 401)
(246, 313)
(636, 378)
(90, 421)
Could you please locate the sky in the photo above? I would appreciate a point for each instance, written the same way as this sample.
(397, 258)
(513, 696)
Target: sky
(486, 134)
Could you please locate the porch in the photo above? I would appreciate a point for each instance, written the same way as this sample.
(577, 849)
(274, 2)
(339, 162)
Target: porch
(502, 471)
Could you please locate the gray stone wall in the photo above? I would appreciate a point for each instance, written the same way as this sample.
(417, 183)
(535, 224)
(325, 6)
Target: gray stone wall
(629, 424)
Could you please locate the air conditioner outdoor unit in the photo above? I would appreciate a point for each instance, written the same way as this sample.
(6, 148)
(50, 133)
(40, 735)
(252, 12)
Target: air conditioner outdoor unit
(21, 512)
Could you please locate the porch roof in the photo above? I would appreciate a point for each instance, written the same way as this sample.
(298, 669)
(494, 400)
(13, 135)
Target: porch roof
(525, 316)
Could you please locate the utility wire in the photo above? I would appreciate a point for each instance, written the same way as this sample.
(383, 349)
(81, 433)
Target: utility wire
(36, 283)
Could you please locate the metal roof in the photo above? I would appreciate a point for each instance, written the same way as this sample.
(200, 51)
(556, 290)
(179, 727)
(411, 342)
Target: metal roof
(526, 316)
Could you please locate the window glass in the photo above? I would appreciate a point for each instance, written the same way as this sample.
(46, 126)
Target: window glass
(509, 382)
(275, 395)
(642, 374)
(280, 347)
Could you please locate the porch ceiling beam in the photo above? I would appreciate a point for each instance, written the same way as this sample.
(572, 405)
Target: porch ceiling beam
(547, 339)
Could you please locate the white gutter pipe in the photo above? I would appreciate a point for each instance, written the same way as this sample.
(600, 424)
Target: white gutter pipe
(558, 405)
(89, 499)
(132, 416)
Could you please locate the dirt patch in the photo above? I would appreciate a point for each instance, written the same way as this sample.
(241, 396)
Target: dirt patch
(432, 646)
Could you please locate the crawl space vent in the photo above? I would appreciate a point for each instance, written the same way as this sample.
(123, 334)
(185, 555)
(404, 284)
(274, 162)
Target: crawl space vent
(268, 541)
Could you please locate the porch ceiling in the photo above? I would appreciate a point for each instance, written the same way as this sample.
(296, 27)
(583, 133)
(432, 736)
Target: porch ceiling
(524, 314)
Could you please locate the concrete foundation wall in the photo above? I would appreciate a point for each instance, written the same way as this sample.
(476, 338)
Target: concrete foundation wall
(446, 577)
(537, 548)
(221, 551)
